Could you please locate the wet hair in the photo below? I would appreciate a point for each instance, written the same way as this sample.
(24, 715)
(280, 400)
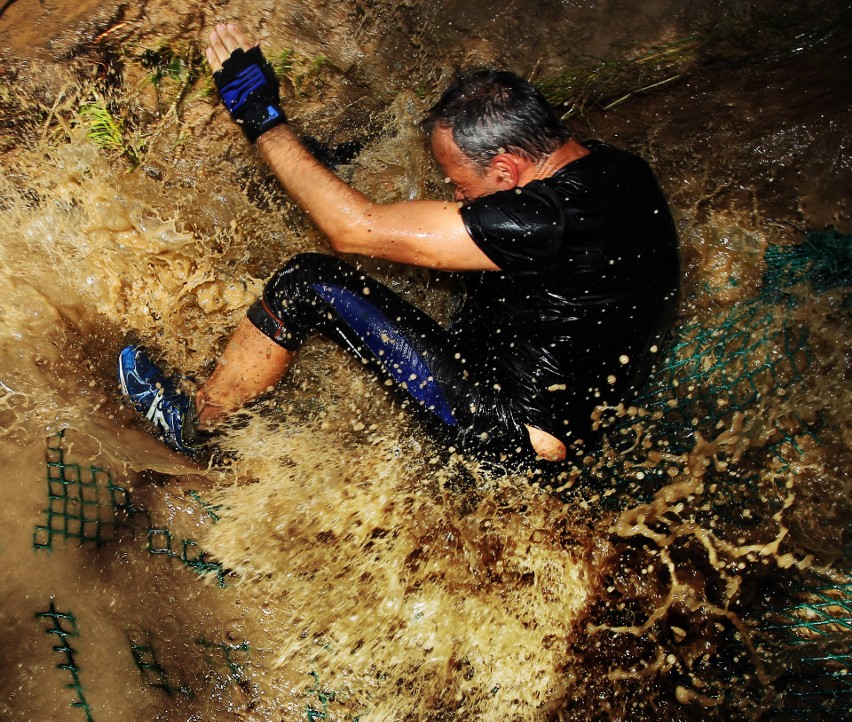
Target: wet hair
(493, 111)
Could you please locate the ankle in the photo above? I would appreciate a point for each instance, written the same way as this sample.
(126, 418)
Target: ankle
(206, 415)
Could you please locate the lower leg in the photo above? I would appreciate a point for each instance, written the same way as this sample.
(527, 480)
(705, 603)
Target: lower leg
(250, 365)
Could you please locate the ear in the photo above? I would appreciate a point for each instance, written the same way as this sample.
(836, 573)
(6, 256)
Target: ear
(508, 169)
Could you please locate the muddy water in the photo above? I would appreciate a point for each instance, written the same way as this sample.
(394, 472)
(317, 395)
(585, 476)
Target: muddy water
(329, 562)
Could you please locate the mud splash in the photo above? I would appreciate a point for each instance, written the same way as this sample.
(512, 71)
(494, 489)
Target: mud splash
(366, 576)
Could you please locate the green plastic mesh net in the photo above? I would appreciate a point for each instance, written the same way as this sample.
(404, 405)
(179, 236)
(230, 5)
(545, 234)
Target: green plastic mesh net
(728, 364)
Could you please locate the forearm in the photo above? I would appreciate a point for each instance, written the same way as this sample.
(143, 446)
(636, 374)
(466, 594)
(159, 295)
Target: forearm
(339, 211)
(424, 233)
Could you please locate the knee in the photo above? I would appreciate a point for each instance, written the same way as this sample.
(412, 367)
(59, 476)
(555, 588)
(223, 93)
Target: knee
(301, 272)
(286, 312)
(298, 273)
(305, 262)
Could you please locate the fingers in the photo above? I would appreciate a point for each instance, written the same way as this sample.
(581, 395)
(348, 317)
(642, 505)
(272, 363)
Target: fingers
(224, 40)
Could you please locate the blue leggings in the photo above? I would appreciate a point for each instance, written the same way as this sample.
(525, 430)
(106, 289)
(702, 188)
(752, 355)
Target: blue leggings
(426, 363)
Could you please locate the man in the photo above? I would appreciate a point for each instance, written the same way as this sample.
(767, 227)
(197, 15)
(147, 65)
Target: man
(568, 251)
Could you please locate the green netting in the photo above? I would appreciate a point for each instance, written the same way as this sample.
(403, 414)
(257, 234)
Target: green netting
(89, 508)
(225, 659)
(726, 364)
(229, 657)
(153, 673)
(811, 623)
(162, 541)
(210, 509)
(64, 626)
(76, 505)
(823, 261)
(732, 360)
(322, 696)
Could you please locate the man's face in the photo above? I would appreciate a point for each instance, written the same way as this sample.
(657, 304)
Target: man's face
(469, 180)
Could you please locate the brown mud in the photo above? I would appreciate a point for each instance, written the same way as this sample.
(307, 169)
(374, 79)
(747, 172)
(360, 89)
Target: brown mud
(329, 562)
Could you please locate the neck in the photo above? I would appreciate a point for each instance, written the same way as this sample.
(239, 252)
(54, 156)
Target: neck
(566, 153)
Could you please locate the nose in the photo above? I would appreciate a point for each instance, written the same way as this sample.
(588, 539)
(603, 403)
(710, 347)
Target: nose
(458, 195)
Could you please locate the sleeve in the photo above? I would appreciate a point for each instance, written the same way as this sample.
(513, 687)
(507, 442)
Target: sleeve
(520, 229)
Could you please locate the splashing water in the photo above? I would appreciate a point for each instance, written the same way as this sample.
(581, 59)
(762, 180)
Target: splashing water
(330, 562)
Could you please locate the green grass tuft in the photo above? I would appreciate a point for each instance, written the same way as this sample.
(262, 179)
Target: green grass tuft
(173, 71)
(107, 131)
(606, 83)
(300, 71)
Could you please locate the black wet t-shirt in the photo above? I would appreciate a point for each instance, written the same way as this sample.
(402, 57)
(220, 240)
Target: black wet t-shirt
(587, 288)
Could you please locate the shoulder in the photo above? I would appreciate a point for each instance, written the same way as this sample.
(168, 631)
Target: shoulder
(606, 175)
(518, 229)
(601, 160)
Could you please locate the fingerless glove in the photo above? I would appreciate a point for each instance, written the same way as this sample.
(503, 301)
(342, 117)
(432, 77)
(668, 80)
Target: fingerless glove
(249, 89)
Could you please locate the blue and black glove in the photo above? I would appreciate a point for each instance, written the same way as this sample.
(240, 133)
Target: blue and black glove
(249, 89)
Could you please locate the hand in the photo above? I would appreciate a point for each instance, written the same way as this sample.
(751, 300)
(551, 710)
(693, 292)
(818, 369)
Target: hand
(224, 40)
(246, 81)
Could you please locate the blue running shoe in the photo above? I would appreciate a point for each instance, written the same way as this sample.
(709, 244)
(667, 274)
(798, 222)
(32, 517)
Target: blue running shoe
(157, 397)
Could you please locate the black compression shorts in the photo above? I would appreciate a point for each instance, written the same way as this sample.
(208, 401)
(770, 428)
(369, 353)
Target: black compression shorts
(319, 293)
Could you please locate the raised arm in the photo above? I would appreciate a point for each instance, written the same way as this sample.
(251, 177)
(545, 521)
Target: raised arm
(424, 233)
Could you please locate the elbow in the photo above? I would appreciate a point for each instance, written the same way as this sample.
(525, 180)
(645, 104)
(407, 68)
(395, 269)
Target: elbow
(346, 243)
(354, 236)
(338, 243)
